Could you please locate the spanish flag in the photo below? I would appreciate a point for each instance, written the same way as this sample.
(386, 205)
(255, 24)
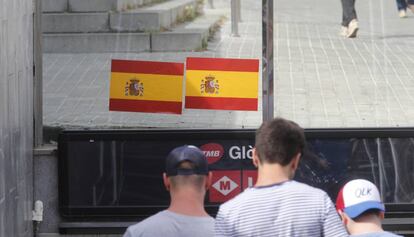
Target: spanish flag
(143, 86)
(223, 84)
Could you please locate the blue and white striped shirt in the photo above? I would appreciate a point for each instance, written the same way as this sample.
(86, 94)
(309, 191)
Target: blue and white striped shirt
(286, 209)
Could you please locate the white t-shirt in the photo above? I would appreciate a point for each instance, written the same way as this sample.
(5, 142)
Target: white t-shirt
(286, 209)
(171, 224)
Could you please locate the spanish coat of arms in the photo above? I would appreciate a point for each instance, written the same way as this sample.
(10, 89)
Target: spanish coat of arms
(134, 88)
(210, 85)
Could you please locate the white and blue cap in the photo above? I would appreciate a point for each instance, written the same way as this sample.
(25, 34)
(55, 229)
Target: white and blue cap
(358, 196)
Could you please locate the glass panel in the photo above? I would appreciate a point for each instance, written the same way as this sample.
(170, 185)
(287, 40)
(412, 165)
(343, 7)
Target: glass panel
(81, 37)
(324, 79)
(385, 161)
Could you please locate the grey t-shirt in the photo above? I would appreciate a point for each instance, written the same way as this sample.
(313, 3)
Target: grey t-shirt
(171, 224)
(377, 234)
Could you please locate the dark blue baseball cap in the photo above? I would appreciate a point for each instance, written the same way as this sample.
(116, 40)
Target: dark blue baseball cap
(186, 153)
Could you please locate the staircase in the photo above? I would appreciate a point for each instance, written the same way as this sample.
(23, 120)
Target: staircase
(109, 26)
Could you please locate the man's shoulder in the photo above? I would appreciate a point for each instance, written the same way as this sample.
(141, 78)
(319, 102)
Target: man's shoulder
(302, 187)
(237, 200)
(148, 223)
(172, 224)
(291, 188)
(314, 190)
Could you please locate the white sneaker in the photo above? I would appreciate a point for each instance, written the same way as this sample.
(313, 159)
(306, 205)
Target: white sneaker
(352, 29)
(402, 13)
(344, 31)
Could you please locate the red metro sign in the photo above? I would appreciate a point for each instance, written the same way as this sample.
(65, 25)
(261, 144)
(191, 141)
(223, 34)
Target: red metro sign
(226, 184)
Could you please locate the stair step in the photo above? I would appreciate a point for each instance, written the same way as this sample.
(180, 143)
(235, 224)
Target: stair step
(148, 19)
(96, 43)
(209, 21)
(54, 5)
(75, 22)
(188, 36)
(124, 5)
(91, 5)
(185, 37)
(154, 18)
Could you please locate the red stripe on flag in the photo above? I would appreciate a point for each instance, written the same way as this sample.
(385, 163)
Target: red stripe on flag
(147, 67)
(221, 103)
(223, 64)
(149, 106)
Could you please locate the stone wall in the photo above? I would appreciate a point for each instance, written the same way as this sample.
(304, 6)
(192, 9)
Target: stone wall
(16, 117)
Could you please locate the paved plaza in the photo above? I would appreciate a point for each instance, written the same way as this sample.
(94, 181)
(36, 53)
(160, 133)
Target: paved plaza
(321, 79)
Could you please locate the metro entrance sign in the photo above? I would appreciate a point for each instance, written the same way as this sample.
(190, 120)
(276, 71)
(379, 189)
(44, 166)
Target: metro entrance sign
(118, 173)
(249, 178)
(226, 184)
(137, 158)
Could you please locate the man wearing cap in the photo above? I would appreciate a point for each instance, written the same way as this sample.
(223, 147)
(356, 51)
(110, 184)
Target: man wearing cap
(361, 209)
(278, 205)
(187, 179)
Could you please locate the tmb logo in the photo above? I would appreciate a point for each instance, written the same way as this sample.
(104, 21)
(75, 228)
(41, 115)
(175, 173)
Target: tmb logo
(213, 152)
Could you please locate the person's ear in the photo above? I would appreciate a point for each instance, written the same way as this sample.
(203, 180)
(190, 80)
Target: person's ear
(167, 183)
(344, 217)
(256, 160)
(209, 180)
(381, 215)
(295, 161)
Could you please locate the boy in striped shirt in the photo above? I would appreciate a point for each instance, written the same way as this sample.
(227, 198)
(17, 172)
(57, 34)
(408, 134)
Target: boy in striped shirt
(278, 205)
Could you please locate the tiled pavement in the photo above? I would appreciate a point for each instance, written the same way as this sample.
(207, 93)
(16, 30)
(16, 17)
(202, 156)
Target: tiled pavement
(321, 79)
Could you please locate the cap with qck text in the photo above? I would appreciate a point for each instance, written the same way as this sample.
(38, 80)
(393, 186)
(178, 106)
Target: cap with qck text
(186, 153)
(358, 196)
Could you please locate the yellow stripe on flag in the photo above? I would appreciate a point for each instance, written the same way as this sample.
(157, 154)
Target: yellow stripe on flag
(155, 87)
(226, 84)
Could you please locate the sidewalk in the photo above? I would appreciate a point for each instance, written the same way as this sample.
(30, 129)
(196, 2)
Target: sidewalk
(321, 79)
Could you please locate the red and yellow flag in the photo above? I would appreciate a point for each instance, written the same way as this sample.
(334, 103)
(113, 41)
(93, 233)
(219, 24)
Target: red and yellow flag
(224, 84)
(143, 86)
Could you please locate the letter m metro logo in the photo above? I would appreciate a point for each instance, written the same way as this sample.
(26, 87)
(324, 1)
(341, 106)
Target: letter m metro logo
(226, 185)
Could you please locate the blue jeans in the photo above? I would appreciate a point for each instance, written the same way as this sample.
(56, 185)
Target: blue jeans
(402, 4)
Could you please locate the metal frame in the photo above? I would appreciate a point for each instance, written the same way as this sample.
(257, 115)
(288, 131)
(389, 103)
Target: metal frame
(235, 11)
(211, 4)
(38, 74)
(267, 60)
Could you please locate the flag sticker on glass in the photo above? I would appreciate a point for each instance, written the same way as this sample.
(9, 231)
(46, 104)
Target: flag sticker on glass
(222, 84)
(143, 86)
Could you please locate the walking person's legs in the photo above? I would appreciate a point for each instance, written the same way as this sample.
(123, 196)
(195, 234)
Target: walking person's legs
(402, 8)
(401, 4)
(348, 12)
(349, 18)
